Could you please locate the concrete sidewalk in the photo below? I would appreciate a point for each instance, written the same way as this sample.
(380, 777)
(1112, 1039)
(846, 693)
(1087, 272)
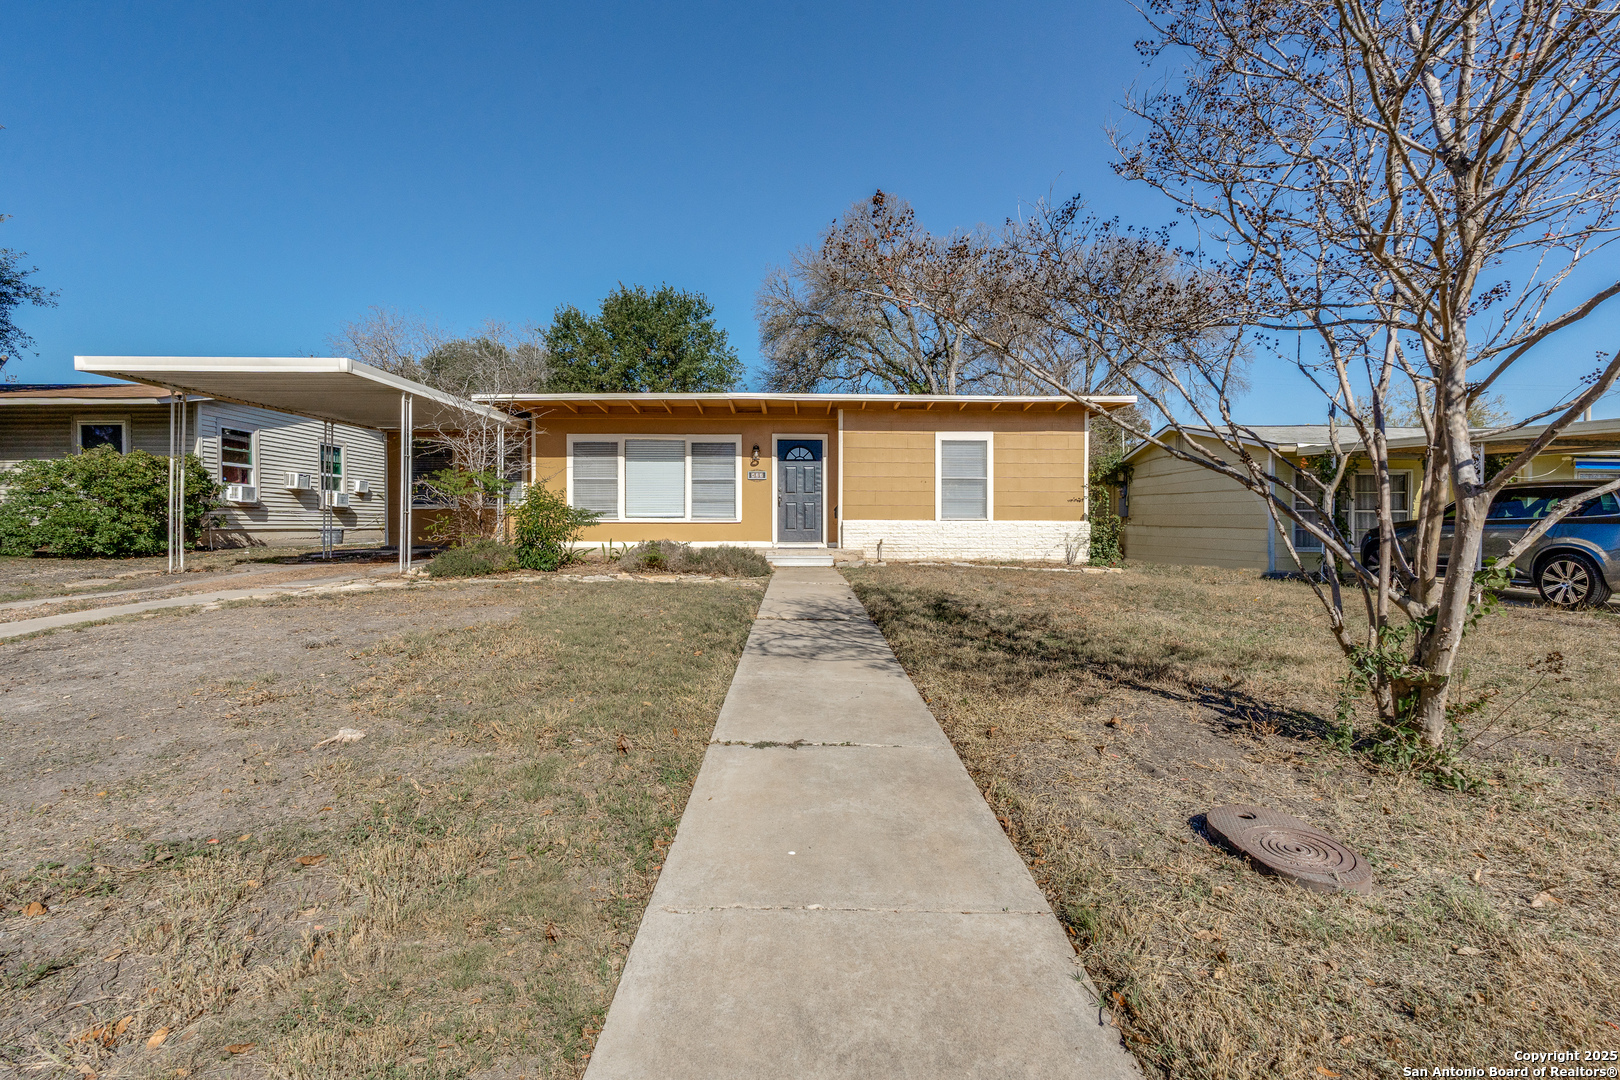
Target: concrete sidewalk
(839, 900)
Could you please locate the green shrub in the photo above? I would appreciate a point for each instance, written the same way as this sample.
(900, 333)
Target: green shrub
(98, 503)
(726, 560)
(548, 528)
(474, 560)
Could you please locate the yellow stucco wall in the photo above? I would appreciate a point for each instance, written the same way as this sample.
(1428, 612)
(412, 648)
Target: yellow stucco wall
(757, 499)
(1039, 462)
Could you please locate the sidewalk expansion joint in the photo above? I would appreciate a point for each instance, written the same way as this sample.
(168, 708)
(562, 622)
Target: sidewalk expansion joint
(769, 744)
(839, 908)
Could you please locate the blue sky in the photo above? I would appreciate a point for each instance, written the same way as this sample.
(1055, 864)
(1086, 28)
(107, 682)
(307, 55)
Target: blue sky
(241, 179)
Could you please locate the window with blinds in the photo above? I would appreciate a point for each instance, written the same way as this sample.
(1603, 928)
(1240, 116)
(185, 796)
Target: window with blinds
(596, 478)
(1366, 509)
(714, 481)
(655, 478)
(964, 479)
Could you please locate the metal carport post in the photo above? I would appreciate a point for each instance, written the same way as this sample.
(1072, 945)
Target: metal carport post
(407, 440)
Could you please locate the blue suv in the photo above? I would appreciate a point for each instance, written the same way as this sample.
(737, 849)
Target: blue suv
(1577, 562)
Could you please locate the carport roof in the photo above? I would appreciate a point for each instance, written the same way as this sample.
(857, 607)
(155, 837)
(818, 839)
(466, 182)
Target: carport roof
(321, 387)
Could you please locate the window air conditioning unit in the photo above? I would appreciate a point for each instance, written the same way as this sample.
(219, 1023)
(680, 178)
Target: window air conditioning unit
(242, 494)
(300, 481)
(360, 487)
(336, 499)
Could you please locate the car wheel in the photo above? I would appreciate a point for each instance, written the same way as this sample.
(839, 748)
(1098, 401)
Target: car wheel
(1571, 580)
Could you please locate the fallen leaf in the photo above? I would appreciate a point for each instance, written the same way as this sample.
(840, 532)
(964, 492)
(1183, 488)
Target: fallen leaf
(101, 794)
(123, 1025)
(214, 841)
(36, 908)
(1323, 1070)
(244, 838)
(240, 1048)
(1478, 875)
(1467, 950)
(1347, 1040)
(251, 883)
(1221, 890)
(624, 745)
(1207, 935)
(675, 732)
(157, 1038)
(310, 860)
(324, 809)
(552, 933)
(1544, 899)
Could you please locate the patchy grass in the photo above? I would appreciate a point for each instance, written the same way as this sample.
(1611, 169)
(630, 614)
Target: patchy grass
(454, 894)
(31, 577)
(1102, 714)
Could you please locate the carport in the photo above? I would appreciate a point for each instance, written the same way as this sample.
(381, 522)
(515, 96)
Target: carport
(334, 389)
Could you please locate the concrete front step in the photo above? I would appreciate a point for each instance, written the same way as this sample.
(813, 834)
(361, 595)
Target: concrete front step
(778, 556)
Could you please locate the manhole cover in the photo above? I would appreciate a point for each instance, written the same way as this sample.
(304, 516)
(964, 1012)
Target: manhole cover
(1288, 847)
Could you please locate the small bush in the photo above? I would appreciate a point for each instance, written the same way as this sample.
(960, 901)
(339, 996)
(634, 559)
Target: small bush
(98, 503)
(474, 560)
(726, 560)
(548, 528)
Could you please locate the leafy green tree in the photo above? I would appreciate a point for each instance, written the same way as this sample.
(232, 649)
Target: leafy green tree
(484, 365)
(15, 291)
(98, 503)
(659, 342)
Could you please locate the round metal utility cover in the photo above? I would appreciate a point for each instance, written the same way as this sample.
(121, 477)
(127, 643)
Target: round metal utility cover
(1288, 847)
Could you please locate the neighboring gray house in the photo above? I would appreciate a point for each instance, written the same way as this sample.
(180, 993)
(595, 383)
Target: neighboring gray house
(277, 469)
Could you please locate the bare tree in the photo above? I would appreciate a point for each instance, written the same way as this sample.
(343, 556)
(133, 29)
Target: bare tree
(1412, 186)
(467, 461)
(833, 321)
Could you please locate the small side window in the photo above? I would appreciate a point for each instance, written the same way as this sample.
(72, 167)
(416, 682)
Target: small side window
(94, 435)
(235, 456)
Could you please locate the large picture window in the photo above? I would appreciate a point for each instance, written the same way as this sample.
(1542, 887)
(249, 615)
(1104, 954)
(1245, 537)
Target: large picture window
(235, 456)
(655, 478)
(964, 478)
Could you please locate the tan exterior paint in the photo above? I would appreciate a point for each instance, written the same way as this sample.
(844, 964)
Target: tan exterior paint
(1039, 461)
(757, 498)
(888, 470)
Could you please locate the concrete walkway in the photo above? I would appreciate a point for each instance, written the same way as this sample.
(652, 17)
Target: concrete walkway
(839, 900)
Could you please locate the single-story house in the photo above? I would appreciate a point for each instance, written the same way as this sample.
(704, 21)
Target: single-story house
(278, 472)
(1180, 513)
(970, 477)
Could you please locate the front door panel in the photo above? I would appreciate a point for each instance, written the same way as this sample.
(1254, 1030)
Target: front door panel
(798, 491)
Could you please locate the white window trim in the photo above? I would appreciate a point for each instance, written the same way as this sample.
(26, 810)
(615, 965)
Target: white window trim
(104, 419)
(775, 472)
(320, 474)
(989, 438)
(735, 440)
(219, 452)
(1357, 536)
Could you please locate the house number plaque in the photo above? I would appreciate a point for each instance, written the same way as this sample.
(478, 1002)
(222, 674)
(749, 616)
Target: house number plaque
(756, 474)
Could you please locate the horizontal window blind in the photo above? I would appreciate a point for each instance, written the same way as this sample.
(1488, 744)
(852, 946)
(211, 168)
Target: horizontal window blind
(963, 479)
(654, 478)
(596, 477)
(714, 481)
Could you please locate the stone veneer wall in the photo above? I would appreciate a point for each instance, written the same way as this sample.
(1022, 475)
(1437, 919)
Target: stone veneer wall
(967, 539)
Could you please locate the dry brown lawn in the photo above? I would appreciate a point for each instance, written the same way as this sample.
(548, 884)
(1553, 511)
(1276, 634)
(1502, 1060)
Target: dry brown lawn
(451, 896)
(1103, 714)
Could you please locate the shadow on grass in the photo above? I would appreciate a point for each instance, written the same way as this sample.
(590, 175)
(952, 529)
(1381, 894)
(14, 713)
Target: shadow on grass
(1008, 648)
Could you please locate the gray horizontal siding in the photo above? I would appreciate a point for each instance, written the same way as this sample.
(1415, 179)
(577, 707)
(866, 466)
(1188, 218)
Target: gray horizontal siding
(285, 444)
(32, 432)
(292, 444)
